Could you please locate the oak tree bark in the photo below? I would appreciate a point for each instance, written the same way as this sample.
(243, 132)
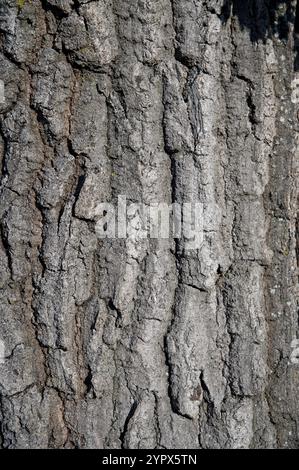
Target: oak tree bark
(123, 344)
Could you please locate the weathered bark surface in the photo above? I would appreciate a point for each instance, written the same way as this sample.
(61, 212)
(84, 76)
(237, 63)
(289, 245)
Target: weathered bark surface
(117, 343)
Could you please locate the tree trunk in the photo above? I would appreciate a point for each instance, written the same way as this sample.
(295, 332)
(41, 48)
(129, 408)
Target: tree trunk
(143, 343)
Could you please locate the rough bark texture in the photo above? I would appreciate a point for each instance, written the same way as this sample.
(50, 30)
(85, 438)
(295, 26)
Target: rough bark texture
(119, 344)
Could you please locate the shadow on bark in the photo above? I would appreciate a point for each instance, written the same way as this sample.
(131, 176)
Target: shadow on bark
(266, 18)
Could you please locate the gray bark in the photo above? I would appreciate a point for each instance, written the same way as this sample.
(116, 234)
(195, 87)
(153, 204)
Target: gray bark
(140, 344)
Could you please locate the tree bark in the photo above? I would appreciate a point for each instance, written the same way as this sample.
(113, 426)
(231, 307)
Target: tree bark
(125, 343)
